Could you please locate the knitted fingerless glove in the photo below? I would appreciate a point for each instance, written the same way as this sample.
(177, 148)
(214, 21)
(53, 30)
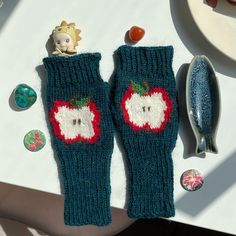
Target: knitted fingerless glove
(82, 136)
(145, 113)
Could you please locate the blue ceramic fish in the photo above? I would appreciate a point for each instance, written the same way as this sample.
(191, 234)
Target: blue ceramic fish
(203, 103)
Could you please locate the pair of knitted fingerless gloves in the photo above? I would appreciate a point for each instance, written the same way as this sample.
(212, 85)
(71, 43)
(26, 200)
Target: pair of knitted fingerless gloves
(143, 104)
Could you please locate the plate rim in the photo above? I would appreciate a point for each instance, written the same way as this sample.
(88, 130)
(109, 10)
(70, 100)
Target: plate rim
(203, 33)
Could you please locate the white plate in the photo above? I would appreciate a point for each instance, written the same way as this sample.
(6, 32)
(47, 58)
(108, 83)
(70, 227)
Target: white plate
(218, 25)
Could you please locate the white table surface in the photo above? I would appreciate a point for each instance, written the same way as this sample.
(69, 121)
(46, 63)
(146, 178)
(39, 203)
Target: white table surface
(24, 31)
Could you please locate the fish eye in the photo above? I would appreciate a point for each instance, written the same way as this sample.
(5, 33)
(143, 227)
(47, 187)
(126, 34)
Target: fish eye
(67, 40)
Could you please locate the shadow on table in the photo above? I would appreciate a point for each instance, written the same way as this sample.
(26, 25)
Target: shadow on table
(41, 210)
(215, 184)
(195, 41)
(163, 227)
(6, 10)
(14, 228)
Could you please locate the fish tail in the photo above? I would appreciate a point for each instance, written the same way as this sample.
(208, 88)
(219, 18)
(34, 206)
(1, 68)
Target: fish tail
(206, 144)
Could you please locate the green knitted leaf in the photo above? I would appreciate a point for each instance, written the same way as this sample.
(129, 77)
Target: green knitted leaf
(139, 89)
(80, 103)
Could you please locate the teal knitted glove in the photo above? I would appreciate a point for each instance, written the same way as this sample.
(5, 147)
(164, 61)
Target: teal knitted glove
(145, 112)
(82, 136)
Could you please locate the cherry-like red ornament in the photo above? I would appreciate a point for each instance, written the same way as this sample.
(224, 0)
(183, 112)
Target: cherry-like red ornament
(136, 33)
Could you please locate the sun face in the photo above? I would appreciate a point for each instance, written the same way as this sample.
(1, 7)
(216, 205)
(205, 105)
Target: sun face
(63, 41)
(66, 36)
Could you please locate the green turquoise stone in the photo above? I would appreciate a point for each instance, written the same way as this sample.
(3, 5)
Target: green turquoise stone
(25, 96)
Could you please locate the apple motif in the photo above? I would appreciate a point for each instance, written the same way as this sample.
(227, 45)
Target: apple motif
(146, 109)
(75, 121)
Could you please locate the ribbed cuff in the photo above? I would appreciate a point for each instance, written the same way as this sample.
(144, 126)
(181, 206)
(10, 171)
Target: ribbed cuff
(86, 188)
(144, 60)
(64, 71)
(150, 169)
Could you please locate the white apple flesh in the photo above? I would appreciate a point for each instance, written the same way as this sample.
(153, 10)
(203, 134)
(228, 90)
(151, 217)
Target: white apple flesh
(74, 122)
(148, 109)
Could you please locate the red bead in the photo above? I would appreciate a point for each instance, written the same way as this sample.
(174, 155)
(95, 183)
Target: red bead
(136, 34)
(212, 3)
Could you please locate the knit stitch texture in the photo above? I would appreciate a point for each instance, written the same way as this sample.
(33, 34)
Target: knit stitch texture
(82, 136)
(145, 113)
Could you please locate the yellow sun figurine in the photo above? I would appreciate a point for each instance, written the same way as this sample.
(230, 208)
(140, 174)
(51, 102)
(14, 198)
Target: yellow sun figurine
(66, 38)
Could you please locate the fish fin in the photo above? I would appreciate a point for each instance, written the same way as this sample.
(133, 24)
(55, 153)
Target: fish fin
(206, 144)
